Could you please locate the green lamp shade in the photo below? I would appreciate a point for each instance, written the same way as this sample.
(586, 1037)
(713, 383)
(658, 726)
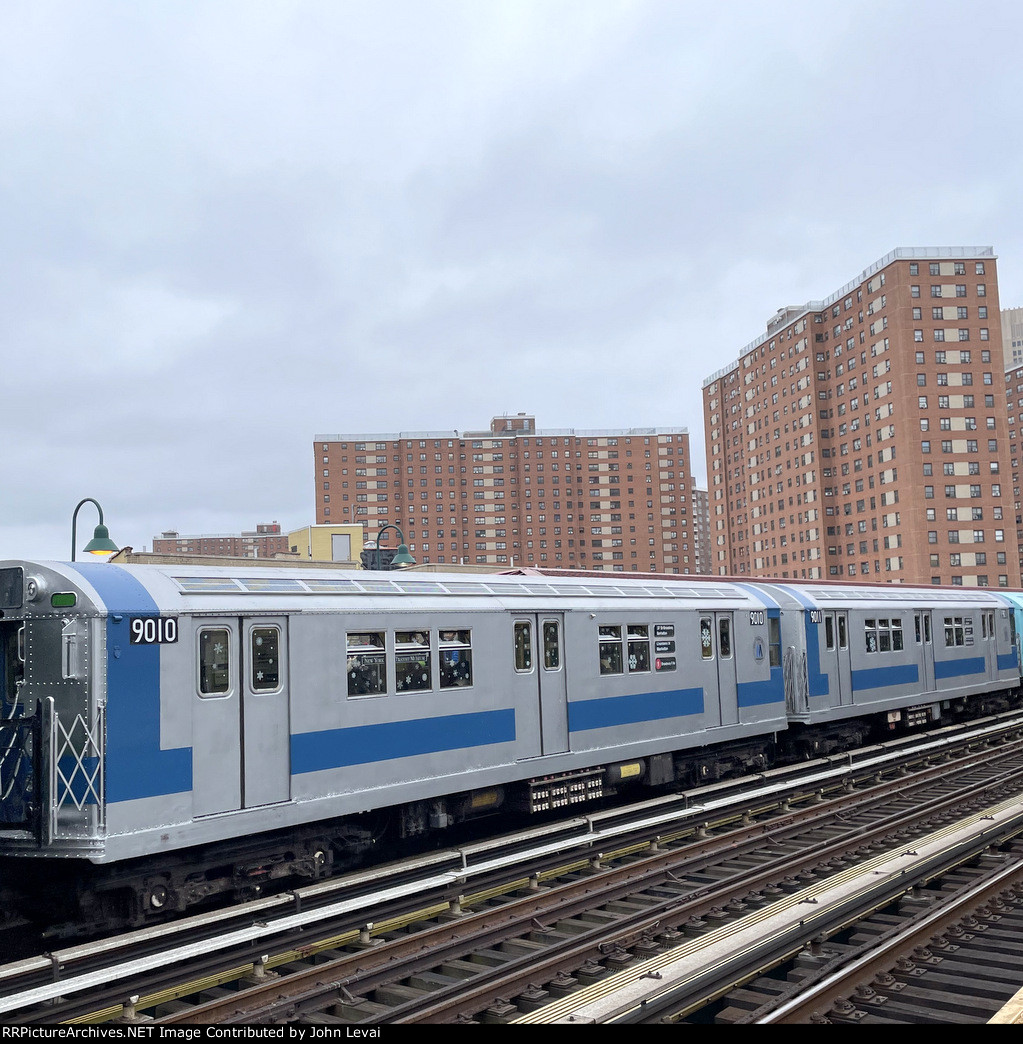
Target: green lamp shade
(101, 544)
(402, 557)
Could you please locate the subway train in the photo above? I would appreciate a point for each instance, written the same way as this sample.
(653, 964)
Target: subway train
(172, 734)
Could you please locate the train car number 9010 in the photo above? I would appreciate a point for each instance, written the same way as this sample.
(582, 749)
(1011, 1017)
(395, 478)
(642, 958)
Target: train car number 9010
(154, 630)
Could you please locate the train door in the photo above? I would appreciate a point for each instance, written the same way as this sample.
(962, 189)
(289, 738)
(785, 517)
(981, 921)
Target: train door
(836, 657)
(989, 638)
(539, 643)
(266, 727)
(240, 723)
(216, 719)
(922, 633)
(724, 650)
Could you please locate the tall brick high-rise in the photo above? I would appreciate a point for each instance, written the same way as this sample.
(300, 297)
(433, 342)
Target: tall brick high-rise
(864, 435)
(603, 500)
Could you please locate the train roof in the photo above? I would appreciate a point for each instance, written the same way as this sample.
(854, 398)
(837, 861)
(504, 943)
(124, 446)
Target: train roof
(213, 588)
(222, 588)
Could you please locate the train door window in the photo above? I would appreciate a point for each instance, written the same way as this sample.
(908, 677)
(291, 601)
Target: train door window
(523, 647)
(724, 638)
(412, 661)
(774, 640)
(610, 649)
(265, 658)
(367, 664)
(983, 625)
(843, 633)
(214, 661)
(551, 645)
(916, 627)
(927, 628)
(639, 648)
(455, 659)
(706, 638)
(829, 631)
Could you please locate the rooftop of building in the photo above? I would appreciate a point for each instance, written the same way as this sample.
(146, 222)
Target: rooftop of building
(793, 312)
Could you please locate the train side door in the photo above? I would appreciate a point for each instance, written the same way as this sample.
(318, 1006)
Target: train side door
(836, 652)
(922, 631)
(727, 680)
(216, 719)
(266, 728)
(539, 641)
(240, 723)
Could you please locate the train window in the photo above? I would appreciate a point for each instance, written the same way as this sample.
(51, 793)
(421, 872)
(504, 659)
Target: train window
(829, 631)
(774, 640)
(523, 647)
(455, 659)
(214, 661)
(367, 664)
(706, 638)
(611, 649)
(412, 670)
(955, 631)
(870, 635)
(843, 633)
(883, 634)
(265, 658)
(724, 637)
(927, 628)
(551, 645)
(639, 648)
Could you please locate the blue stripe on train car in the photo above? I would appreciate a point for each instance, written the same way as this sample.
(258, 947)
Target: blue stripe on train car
(884, 677)
(362, 744)
(1007, 661)
(136, 767)
(633, 710)
(756, 694)
(957, 668)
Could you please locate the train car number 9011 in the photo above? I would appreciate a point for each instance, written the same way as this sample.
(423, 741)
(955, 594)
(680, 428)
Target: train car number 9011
(154, 630)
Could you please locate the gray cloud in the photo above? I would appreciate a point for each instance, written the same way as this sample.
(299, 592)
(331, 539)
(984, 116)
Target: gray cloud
(228, 227)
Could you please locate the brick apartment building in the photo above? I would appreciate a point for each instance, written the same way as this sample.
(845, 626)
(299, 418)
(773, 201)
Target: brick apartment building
(513, 495)
(864, 435)
(1014, 406)
(264, 541)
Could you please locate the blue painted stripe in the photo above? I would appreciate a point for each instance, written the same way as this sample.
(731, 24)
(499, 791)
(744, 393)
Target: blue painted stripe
(362, 744)
(136, 767)
(759, 595)
(883, 677)
(957, 668)
(756, 694)
(633, 710)
(1007, 661)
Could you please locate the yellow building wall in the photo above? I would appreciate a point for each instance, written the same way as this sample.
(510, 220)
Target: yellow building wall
(314, 542)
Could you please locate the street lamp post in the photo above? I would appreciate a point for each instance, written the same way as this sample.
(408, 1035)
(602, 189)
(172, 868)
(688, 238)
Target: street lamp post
(401, 557)
(100, 544)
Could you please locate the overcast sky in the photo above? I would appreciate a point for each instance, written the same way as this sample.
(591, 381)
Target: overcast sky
(226, 228)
